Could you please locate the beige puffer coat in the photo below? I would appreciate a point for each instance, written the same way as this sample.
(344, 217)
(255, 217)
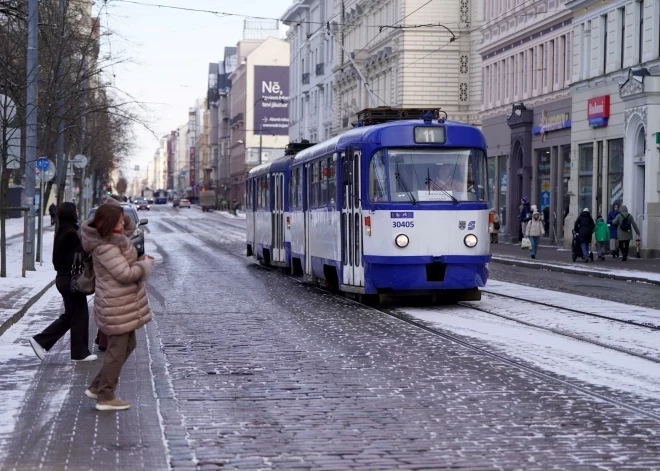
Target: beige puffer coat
(120, 304)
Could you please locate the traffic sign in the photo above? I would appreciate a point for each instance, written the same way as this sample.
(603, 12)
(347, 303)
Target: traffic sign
(46, 175)
(42, 163)
(87, 181)
(545, 199)
(80, 161)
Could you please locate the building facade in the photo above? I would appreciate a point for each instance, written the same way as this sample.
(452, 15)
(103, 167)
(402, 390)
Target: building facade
(259, 99)
(616, 109)
(311, 71)
(407, 64)
(526, 111)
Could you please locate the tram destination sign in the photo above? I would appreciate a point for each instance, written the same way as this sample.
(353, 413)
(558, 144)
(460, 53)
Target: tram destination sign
(430, 135)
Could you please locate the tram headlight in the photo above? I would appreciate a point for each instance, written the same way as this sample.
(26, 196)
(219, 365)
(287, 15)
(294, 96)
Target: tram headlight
(401, 240)
(470, 240)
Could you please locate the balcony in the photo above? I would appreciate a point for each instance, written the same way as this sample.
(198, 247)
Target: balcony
(305, 78)
(236, 119)
(320, 69)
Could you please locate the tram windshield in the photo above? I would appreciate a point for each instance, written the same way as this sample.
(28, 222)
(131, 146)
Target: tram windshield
(428, 175)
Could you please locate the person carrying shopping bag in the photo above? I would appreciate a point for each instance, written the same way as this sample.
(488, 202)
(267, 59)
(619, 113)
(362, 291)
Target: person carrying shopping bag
(534, 231)
(76, 314)
(120, 305)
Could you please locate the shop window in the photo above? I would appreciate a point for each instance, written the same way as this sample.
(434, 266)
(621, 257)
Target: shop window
(503, 162)
(543, 179)
(615, 175)
(566, 150)
(585, 181)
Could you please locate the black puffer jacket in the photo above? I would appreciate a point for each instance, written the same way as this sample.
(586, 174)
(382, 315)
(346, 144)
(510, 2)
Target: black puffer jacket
(67, 243)
(585, 226)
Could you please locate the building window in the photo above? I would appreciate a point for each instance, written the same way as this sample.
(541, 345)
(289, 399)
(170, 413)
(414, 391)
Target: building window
(535, 67)
(499, 85)
(506, 79)
(566, 177)
(585, 181)
(525, 69)
(641, 31)
(622, 46)
(586, 56)
(555, 61)
(502, 175)
(603, 25)
(569, 56)
(545, 53)
(615, 167)
(515, 76)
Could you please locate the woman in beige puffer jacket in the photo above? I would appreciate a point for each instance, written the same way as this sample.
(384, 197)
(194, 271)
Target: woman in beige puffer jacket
(120, 303)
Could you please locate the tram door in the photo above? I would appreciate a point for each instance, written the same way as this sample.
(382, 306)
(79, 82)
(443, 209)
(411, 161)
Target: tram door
(351, 220)
(307, 208)
(277, 218)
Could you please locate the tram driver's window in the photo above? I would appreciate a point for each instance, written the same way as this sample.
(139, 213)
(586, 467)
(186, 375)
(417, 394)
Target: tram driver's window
(377, 178)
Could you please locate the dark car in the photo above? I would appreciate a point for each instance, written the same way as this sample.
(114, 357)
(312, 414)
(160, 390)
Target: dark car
(138, 236)
(161, 200)
(141, 203)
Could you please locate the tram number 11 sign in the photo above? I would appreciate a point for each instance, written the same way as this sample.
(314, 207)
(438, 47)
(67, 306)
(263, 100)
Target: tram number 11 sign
(430, 135)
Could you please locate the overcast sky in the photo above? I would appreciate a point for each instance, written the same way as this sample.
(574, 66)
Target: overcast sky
(170, 52)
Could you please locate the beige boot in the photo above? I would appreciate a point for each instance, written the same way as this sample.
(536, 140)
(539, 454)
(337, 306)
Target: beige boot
(114, 404)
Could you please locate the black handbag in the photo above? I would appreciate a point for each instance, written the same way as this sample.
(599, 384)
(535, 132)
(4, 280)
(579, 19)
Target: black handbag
(82, 274)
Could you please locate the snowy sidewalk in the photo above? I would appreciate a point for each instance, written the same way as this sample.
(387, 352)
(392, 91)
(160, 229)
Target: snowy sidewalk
(18, 294)
(47, 422)
(554, 259)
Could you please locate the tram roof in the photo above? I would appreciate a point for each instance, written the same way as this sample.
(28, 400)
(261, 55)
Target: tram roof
(458, 135)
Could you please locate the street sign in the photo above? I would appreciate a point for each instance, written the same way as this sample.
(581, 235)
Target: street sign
(45, 175)
(42, 163)
(87, 192)
(80, 161)
(545, 199)
(87, 181)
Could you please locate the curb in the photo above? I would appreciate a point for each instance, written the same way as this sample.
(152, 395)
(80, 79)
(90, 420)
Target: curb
(572, 271)
(21, 312)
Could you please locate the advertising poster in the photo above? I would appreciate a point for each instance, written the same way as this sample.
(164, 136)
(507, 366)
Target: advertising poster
(271, 95)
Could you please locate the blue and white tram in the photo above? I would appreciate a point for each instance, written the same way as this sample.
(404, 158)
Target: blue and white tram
(399, 207)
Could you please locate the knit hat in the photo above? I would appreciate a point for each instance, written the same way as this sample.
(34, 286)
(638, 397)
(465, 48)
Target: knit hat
(586, 210)
(524, 199)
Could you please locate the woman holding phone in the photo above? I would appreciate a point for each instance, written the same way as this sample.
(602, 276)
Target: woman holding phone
(120, 305)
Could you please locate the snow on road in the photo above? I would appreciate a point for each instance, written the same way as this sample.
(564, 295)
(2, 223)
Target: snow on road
(552, 352)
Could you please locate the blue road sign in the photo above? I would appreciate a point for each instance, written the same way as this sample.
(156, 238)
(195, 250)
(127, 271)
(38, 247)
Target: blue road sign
(42, 163)
(545, 199)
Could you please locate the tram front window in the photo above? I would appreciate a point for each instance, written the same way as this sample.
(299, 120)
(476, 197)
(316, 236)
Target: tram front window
(424, 175)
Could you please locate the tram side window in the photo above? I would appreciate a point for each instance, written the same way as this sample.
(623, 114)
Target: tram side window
(378, 178)
(315, 184)
(477, 183)
(332, 180)
(249, 195)
(323, 176)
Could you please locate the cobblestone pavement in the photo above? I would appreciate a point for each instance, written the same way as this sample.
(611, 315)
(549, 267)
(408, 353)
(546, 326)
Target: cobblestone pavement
(267, 373)
(57, 425)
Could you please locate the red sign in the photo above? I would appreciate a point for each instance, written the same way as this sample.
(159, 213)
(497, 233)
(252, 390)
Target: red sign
(193, 166)
(598, 111)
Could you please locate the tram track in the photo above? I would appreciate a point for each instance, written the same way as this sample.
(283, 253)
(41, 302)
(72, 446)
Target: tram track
(422, 325)
(647, 325)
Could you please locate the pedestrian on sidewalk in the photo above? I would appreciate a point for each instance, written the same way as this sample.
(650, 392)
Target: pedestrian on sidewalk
(493, 226)
(525, 216)
(625, 223)
(534, 231)
(602, 234)
(614, 244)
(120, 304)
(52, 210)
(584, 227)
(76, 314)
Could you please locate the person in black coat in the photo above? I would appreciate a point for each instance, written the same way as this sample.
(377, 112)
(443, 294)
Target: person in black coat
(584, 227)
(52, 210)
(76, 313)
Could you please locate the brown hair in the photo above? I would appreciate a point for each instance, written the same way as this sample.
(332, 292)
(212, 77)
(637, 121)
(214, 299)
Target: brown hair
(106, 218)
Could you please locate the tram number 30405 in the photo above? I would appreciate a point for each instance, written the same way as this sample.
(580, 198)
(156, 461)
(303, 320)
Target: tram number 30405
(403, 224)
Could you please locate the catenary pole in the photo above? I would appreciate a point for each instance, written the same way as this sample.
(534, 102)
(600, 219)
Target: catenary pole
(31, 127)
(60, 164)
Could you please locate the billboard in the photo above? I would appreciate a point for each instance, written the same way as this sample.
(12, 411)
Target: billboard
(271, 95)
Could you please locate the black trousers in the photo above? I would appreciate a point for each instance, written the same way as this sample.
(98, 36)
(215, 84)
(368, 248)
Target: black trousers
(75, 317)
(624, 245)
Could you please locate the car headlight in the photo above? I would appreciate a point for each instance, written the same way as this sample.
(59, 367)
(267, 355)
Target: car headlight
(401, 240)
(470, 240)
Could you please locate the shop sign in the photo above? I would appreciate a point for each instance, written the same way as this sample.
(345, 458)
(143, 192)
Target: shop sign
(598, 111)
(551, 123)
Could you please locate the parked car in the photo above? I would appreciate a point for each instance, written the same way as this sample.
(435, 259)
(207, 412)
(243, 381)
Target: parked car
(161, 200)
(184, 203)
(175, 202)
(138, 236)
(141, 203)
